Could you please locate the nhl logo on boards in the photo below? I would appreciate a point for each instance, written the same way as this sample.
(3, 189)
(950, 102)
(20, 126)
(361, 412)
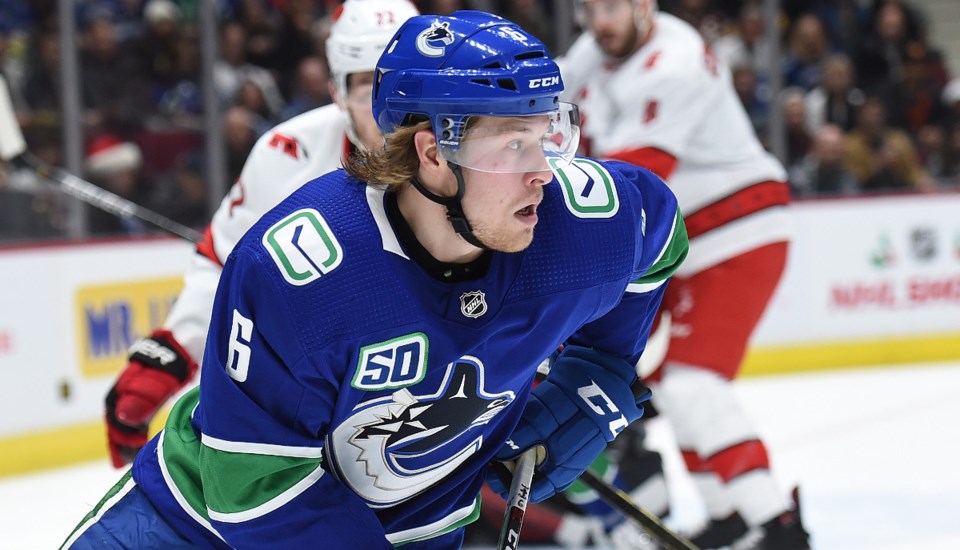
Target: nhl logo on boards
(473, 304)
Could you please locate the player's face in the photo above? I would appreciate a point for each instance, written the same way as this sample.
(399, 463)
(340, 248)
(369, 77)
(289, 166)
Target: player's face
(613, 26)
(502, 207)
(360, 108)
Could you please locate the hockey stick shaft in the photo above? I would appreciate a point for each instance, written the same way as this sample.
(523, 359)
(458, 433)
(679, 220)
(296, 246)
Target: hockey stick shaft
(101, 198)
(13, 148)
(517, 503)
(622, 502)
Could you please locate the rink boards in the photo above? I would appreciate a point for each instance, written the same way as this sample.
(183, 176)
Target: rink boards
(868, 281)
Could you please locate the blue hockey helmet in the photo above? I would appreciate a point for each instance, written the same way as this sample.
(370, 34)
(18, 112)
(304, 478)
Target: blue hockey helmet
(448, 69)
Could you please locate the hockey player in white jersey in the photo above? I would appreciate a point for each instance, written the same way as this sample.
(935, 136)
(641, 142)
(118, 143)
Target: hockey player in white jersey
(653, 94)
(287, 156)
(375, 336)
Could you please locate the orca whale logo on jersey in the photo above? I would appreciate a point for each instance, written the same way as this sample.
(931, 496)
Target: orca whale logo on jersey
(394, 447)
(434, 41)
(473, 304)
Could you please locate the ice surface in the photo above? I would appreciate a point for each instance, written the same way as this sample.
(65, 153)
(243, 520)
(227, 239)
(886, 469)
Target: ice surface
(875, 452)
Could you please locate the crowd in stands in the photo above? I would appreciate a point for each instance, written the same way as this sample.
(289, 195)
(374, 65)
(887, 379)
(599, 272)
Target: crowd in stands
(868, 103)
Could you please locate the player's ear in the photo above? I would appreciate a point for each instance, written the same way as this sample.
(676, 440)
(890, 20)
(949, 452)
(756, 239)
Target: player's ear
(427, 150)
(433, 172)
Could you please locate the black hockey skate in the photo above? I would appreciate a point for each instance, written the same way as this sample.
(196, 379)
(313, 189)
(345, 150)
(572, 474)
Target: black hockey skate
(720, 533)
(784, 532)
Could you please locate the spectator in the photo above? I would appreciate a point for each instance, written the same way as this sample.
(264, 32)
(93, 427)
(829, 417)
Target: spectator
(808, 48)
(294, 41)
(747, 45)
(914, 101)
(42, 89)
(182, 194)
(843, 20)
(239, 135)
(251, 97)
(114, 98)
(157, 48)
(232, 68)
(313, 88)
(824, 170)
(836, 99)
(181, 105)
(260, 24)
(882, 158)
(931, 143)
(880, 57)
(115, 165)
(755, 100)
(795, 125)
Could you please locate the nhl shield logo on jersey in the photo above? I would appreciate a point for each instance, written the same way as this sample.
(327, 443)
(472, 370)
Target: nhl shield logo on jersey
(433, 41)
(391, 448)
(473, 304)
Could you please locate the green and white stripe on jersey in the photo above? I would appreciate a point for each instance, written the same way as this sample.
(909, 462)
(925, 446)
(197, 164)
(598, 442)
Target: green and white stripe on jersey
(668, 261)
(261, 478)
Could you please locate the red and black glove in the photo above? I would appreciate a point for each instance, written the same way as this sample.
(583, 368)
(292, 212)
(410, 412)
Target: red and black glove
(157, 368)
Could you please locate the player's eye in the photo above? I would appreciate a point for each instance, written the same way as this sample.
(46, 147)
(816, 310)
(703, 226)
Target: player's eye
(515, 145)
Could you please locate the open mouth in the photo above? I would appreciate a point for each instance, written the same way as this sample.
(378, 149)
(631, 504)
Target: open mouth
(528, 214)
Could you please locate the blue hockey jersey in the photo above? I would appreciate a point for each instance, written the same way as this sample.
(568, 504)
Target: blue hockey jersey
(348, 396)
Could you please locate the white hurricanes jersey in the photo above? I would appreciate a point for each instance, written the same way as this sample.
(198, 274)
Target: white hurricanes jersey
(673, 95)
(283, 159)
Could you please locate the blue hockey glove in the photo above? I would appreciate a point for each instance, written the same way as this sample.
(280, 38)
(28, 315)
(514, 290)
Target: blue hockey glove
(586, 400)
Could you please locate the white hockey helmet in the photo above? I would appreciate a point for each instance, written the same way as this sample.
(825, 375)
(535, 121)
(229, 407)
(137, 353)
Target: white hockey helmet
(361, 30)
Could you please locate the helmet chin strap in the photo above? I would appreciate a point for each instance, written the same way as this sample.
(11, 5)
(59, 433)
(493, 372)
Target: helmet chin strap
(454, 209)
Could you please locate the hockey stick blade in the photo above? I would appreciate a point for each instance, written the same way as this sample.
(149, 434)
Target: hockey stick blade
(622, 502)
(517, 503)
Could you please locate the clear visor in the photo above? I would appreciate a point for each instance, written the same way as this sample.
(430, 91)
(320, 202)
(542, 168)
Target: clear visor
(516, 144)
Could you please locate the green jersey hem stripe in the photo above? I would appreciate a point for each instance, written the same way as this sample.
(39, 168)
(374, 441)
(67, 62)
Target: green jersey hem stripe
(272, 504)
(455, 520)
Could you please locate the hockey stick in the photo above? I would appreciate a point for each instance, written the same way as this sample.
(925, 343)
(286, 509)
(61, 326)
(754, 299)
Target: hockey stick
(622, 502)
(517, 503)
(13, 149)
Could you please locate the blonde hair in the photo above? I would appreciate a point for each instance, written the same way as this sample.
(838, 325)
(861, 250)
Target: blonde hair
(393, 165)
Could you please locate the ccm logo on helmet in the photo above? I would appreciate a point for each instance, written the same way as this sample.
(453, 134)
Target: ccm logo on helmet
(544, 82)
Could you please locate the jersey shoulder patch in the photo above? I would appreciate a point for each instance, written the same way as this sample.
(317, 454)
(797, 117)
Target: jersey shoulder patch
(303, 247)
(588, 188)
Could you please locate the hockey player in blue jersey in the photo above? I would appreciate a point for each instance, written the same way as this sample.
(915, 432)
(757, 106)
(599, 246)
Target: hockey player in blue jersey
(375, 336)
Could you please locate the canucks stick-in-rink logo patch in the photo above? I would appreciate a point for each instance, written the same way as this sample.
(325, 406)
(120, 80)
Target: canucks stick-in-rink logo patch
(588, 188)
(394, 447)
(392, 364)
(303, 247)
(473, 304)
(434, 41)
